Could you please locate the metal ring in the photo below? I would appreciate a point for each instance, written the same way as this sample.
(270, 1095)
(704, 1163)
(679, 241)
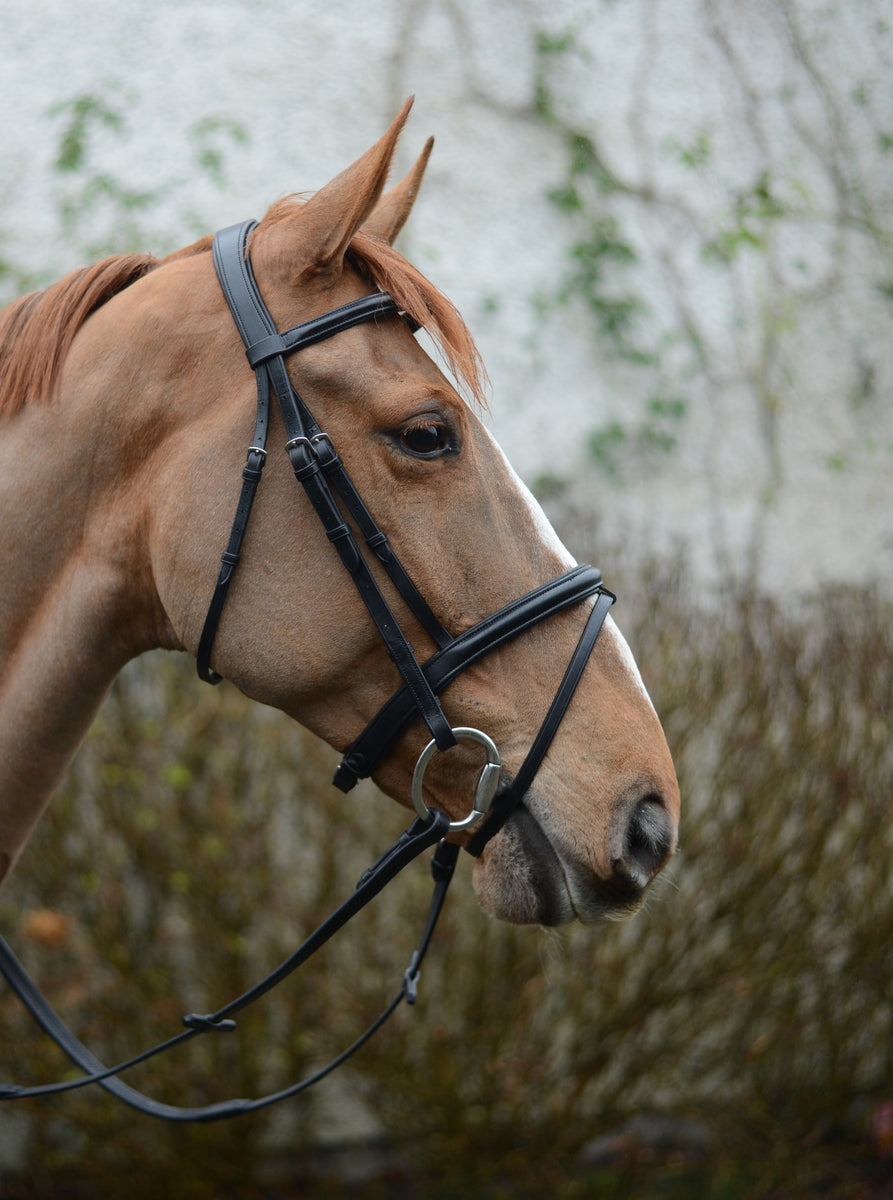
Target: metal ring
(487, 782)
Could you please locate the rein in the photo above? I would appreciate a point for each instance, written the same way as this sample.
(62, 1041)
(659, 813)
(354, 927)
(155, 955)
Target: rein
(412, 842)
(321, 473)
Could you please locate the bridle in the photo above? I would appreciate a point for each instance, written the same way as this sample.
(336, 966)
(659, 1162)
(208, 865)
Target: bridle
(320, 471)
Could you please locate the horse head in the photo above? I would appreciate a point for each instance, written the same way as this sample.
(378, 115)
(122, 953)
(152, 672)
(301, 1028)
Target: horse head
(158, 372)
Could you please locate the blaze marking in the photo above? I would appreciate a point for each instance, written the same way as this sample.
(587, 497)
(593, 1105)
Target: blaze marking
(553, 542)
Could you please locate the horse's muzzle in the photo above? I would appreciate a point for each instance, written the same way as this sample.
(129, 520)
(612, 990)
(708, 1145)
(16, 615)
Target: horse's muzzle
(551, 885)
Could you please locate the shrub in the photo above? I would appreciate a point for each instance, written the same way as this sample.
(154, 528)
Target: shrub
(197, 837)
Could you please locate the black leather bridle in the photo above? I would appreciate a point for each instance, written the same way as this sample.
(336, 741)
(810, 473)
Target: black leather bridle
(320, 471)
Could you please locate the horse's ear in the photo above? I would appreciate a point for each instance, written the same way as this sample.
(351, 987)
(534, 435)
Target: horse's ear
(332, 216)
(390, 213)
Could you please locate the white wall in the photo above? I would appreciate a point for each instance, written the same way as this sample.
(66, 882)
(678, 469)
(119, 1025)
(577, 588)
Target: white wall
(764, 128)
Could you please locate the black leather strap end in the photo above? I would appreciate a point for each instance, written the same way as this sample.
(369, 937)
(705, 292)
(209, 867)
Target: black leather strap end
(349, 772)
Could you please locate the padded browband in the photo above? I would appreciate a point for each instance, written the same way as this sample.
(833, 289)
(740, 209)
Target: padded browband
(442, 668)
(262, 340)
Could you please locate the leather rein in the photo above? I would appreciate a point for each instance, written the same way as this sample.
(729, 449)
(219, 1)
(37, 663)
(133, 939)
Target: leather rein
(320, 471)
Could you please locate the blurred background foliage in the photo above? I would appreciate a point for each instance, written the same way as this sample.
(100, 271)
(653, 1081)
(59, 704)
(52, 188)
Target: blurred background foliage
(197, 838)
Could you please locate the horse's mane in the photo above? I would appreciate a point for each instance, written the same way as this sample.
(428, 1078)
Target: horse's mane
(36, 331)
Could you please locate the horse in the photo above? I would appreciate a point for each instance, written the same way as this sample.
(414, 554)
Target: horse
(125, 408)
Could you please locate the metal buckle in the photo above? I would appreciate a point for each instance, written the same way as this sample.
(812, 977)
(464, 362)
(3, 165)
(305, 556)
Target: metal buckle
(310, 443)
(488, 780)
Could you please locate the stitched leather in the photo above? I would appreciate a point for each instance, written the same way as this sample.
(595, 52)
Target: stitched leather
(319, 328)
(266, 349)
(506, 801)
(441, 669)
(230, 558)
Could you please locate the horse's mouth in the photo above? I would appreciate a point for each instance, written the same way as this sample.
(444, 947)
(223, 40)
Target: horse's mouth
(526, 880)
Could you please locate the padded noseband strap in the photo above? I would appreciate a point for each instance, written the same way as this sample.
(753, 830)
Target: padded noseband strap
(508, 800)
(443, 667)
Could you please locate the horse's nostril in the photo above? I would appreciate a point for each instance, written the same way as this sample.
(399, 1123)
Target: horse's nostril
(648, 839)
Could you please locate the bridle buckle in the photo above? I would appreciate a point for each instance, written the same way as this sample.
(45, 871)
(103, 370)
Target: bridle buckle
(310, 444)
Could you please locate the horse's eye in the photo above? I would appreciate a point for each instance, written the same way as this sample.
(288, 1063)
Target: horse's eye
(427, 440)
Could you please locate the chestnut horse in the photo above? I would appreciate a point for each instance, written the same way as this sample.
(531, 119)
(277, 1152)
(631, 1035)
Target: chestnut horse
(125, 410)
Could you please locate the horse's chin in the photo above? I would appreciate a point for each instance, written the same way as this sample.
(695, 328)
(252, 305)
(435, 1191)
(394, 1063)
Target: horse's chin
(522, 878)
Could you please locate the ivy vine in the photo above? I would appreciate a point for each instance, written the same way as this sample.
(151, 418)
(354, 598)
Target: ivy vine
(825, 190)
(601, 257)
(97, 210)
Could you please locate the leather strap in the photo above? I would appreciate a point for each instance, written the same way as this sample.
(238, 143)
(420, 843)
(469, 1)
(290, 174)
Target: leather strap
(505, 802)
(234, 272)
(315, 464)
(230, 560)
(377, 541)
(419, 837)
(442, 668)
(318, 329)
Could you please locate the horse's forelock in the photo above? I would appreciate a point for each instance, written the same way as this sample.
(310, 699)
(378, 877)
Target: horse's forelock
(427, 306)
(388, 270)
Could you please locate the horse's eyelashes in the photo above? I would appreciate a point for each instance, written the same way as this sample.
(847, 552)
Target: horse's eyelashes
(428, 440)
(424, 439)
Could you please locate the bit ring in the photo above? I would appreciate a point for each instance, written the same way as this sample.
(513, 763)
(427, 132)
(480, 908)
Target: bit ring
(485, 789)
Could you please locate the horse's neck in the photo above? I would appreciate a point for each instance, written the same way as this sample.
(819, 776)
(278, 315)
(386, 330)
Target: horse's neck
(68, 614)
